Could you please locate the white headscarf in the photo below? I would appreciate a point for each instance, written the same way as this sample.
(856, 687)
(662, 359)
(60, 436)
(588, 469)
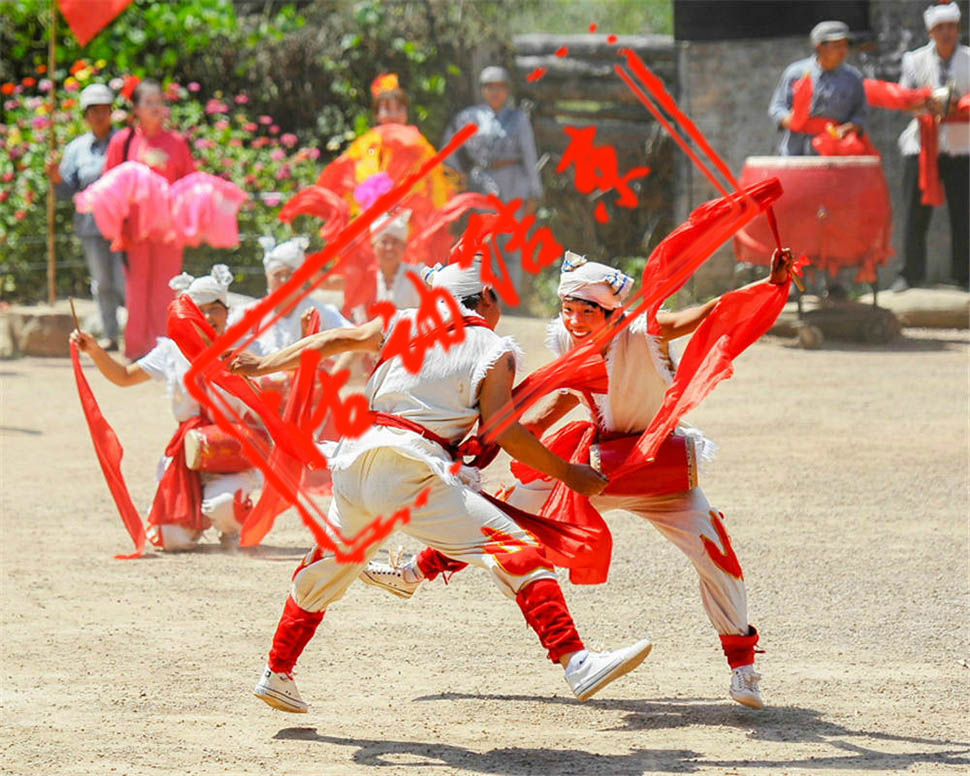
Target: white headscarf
(291, 253)
(395, 225)
(460, 282)
(593, 282)
(937, 14)
(213, 287)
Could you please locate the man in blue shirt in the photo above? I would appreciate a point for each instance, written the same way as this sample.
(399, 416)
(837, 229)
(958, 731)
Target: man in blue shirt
(81, 166)
(500, 158)
(838, 92)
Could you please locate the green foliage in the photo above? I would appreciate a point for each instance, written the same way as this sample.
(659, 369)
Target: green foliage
(620, 17)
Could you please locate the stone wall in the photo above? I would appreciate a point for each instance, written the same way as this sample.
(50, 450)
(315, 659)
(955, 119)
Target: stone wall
(725, 87)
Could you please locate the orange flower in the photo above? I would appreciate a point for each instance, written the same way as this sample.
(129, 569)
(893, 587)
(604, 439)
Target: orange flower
(8, 88)
(28, 82)
(79, 65)
(70, 102)
(385, 82)
(41, 69)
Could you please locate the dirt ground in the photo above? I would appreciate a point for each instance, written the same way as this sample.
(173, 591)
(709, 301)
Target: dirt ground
(843, 474)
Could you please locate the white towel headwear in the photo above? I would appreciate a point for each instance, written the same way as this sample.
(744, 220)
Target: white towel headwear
(206, 289)
(291, 253)
(395, 225)
(939, 13)
(460, 282)
(593, 282)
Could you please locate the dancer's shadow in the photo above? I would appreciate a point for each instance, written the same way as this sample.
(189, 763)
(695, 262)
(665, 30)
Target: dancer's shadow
(778, 724)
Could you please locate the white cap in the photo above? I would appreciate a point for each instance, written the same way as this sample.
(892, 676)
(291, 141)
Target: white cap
(939, 13)
(826, 32)
(291, 253)
(493, 74)
(213, 287)
(395, 225)
(593, 282)
(96, 94)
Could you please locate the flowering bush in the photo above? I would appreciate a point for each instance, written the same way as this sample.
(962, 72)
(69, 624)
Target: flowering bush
(225, 140)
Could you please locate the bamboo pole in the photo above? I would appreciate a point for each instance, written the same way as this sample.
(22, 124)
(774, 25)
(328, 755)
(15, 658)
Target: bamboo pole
(51, 198)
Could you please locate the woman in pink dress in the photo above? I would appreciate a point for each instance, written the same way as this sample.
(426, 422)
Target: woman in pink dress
(150, 263)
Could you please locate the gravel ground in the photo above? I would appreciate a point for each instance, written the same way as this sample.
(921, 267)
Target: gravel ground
(843, 474)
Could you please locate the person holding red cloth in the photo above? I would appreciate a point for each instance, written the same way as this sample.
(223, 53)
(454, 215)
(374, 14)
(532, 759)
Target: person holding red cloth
(943, 65)
(150, 263)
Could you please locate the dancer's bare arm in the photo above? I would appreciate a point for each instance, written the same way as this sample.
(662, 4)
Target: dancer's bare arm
(366, 338)
(495, 395)
(118, 373)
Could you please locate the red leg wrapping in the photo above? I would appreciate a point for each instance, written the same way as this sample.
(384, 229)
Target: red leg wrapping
(545, 610)
(294, 632)
(740, 649)
(431, 562)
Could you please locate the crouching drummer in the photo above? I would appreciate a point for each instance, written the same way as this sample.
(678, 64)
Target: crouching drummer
(203, 480)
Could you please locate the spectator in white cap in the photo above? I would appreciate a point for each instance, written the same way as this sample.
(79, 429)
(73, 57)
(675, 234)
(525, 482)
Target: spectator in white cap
(943, 65)
(81, 165)
(280, 261)
(500, 158)
(223, 499)
(838, 93)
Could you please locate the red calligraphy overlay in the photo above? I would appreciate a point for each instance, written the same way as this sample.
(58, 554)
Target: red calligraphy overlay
(727, 561)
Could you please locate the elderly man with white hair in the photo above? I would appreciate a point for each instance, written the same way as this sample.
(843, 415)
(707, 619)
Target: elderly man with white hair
(407, 458)
(636, 371)
(188, 501)
(838, 93)
(280, 261)
(943, 65)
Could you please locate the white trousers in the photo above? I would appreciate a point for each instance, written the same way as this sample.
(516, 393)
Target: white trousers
(218, 504)
(455, 520)
(689, 521)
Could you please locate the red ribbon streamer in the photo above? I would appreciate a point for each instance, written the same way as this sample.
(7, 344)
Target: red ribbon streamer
(109, 452)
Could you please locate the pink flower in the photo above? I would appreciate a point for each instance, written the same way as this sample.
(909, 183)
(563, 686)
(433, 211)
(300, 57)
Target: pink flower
(274, 130)
(250, 126)
(203, 143)
(259, 142)
(259, 167)
(313, 153)
(272, 199)
(241, 99)
(277, 155)
(250, 180)
(368, 192)
(40, 122)
(289, 140)
(44, 85)
(20, 215)
(235, 142)
(284, 173)
(265, 119)
(10, 104)
(7, 177)
(194, 86)
(226, 161)
(71, 85)
(214, 106)
(4, 195)
(220, 125)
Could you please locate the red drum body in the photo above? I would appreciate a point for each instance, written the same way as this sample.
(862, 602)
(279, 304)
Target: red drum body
(835, 209)
(210, 449)
(673, 470)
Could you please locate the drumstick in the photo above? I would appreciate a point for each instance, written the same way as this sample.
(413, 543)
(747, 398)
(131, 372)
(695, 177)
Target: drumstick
(77, 326)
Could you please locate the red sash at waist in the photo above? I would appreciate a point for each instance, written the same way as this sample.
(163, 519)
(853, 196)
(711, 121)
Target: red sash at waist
(178, 499)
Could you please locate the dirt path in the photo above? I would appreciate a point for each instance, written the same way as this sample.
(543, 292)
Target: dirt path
(843, 475)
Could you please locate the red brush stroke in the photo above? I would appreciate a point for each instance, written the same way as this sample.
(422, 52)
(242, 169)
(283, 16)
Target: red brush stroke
(562, 51)
(727, 561)
(593, 27)
(536, 74)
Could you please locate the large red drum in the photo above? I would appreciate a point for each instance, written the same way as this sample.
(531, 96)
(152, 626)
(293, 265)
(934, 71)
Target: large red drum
(210, 449)
(835, 209)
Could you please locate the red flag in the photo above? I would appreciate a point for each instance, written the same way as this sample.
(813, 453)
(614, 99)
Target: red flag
(87, 18)
(109, 452)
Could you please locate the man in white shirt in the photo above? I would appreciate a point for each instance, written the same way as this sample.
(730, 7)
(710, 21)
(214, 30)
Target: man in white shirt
(940, 64)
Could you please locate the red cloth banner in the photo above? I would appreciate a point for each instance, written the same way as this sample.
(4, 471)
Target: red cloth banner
(87, 18)
(109, 452)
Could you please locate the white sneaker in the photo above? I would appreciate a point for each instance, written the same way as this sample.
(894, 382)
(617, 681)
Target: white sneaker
(279, 691)
(598, 669)
(390, 578)
(744, 687)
